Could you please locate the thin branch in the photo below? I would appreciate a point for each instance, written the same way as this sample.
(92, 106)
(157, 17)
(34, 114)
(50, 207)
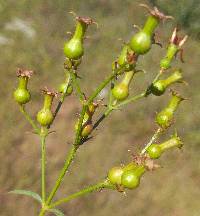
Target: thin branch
(29, 119)
(153, 139)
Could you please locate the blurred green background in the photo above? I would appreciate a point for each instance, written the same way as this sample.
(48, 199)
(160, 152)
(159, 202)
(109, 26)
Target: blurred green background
(32, 36)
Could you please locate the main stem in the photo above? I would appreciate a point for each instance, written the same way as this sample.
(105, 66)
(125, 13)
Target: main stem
(68, 161)
(43, 165)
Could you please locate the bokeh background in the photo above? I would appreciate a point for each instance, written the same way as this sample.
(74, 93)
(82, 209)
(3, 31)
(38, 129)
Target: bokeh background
(32, 34)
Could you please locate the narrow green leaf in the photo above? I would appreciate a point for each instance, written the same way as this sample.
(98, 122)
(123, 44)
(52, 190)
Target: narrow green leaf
(57, 212)
(27, 193)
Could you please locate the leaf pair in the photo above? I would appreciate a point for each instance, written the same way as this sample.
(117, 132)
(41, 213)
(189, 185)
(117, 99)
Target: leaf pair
(37, 197)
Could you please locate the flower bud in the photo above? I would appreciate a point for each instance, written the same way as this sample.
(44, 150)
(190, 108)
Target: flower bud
(159, 87)
(22, 94)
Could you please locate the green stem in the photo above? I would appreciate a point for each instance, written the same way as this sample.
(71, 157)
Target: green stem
(29, 119)
(103, 84)
(82, 192)
(77, 86)
(153, 138)
(68, 161)
(131, 99)
(61, 101)
(43, 164)
(69, 157)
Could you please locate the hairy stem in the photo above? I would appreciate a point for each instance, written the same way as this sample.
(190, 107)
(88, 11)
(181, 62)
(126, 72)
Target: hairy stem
(153, 138)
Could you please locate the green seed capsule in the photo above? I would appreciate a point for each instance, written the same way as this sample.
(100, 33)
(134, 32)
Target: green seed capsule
(159, 87)
(45, 115)
(22, 94)
(114, 175)
(73, 49)
(131, 178)
(121, 91)
(154, 151)
(141, 42)
(165, 117)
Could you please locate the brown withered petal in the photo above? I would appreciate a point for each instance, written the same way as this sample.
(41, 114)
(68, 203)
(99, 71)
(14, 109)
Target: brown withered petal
(151, 165)
(131, 57)
(86, 20)
(48, 91)
(24, 73)
(156, 13)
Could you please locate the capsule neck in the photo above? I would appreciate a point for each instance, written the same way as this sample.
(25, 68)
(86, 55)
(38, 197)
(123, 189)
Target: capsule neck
(171, 51)
(80, 30)
(127, 78)
(175, 101)
(173, 142)
(140, 171)
(23, 82)
(48, 99)
(150, 25)
(176, 76)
